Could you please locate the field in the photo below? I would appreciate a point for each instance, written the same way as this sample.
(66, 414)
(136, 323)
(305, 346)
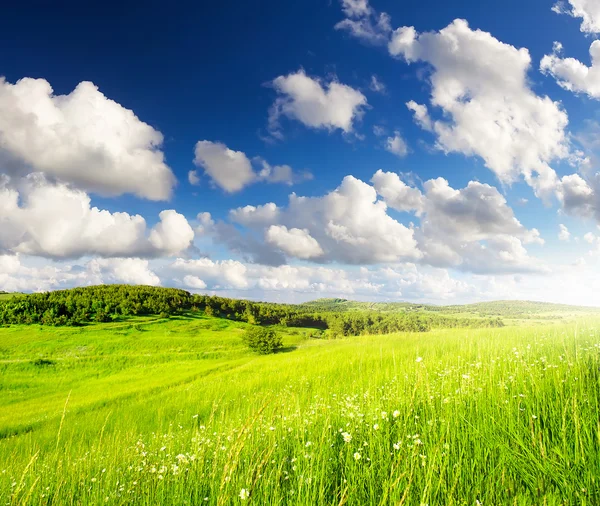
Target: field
(178, 411)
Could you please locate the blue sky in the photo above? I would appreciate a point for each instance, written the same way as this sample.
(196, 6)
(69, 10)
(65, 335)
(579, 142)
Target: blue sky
(196, 87)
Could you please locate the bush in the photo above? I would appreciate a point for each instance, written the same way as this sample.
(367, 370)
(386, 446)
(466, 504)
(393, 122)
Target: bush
(42, 362)
(262, 340)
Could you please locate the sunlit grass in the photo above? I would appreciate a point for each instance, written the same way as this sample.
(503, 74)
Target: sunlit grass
(179, 412)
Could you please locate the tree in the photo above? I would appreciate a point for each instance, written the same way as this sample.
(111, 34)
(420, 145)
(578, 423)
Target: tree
(262, 340)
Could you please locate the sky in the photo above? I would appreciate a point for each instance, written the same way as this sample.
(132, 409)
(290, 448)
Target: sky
(424, 151)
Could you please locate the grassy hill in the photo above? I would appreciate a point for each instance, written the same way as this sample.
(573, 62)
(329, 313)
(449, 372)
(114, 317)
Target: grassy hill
(176, 410)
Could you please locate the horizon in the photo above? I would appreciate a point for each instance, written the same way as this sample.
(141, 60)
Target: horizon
(423, 153)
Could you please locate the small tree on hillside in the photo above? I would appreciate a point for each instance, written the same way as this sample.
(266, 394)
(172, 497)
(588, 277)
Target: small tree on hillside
(262, 340)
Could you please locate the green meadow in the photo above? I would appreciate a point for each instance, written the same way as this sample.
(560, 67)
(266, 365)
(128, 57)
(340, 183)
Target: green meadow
(177, 411)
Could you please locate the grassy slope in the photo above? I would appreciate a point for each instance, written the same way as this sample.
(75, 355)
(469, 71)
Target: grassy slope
(171, 412)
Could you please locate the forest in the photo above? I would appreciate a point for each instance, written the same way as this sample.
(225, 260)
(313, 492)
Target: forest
(104, 303)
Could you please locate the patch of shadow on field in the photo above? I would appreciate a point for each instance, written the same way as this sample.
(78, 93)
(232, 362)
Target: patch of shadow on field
(287, 349)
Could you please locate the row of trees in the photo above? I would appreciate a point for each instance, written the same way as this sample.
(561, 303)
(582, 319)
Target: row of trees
(93, 303)
(109, 302)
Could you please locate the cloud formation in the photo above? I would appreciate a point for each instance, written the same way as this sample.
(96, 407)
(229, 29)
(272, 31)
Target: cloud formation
(573, 75)
(587, 10)
(233, 170)
(481, 86)
(315, 103)
(82, 138)
(55, 221)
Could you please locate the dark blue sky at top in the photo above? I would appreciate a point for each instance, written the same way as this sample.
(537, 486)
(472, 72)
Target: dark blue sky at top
(198, 70)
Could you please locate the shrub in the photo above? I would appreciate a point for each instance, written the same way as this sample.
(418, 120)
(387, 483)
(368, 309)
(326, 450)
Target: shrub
(42, 362)
(262, 340)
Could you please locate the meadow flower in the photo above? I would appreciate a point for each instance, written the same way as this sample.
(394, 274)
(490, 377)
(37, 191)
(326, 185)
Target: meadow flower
(419, 359)
(376, 426)
(397, 446)
(347, 437)
(396, 414)
(357, 456)
(244, 494)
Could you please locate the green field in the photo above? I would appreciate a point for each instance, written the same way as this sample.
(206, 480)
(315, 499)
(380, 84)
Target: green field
(178, 411)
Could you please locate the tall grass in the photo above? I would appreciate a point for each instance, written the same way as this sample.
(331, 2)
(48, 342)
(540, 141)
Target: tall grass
(450, 417)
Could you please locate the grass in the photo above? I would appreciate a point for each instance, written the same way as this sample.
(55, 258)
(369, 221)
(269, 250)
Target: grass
(179, 412)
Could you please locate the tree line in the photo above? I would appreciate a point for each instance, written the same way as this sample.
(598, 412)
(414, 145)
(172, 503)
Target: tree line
(105, 303)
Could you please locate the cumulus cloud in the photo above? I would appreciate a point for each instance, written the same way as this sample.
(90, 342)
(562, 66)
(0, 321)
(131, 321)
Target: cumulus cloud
(573, 75)
(229, 169)
(82, 138)
(349, 224)
(587, 10)
(472, 228)
(53, 220)
(232, 170)
(317, 104)
(401, 281)
(294, 242)
(396, 193)
(489, 109)
(563, 234)
(193, 177)
(18, 274)
(396, 145)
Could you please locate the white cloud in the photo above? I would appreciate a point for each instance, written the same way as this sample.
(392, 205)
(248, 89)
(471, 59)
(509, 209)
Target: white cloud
(232, 170)
(172, 234)
(396, 145)
(376, 85)
(194, 177)
(316, 104)
(194, 282)
(133, 271)
(563, 234)
(396, 193)
(481, 86)
(396, 282)
(294, 242)
(589, 238)
(349, 224)
(587, 10)
(17, 274)
(252, 216)
(82, 138)
(355, 8)
(281, 173)
(229, 169)
(364, 23)
(52, 220)
(573, 75)
(472, 229)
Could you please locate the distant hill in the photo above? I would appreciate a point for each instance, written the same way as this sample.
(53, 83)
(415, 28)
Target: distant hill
(502, 308)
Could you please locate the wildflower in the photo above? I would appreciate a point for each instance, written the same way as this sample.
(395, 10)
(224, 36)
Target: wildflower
(308, 443)
(396, 414)
(419, 359)
(357, 456)
(244, 494)
(347, 437)
(376, 426)
(384, 415)
(397, 445)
